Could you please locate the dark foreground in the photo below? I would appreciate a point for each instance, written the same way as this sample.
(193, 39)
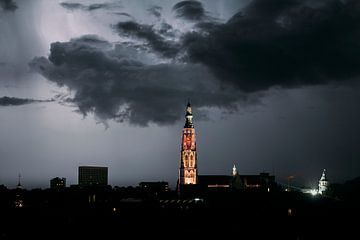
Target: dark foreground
(280, 215)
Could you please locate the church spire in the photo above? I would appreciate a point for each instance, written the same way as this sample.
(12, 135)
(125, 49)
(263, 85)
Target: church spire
(234, 170)
(323, 176)
(19, 186)
(188, 162)
(189, 117)
(323, 183)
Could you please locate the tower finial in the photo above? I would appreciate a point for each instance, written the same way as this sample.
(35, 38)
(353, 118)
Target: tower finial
(19, 181)
(323, 175)
(188, 117)
(234, 171)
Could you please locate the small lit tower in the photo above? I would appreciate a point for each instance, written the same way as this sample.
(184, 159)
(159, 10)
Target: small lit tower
(188, 160)
(323, 183)
(234, 171)
(19, 199)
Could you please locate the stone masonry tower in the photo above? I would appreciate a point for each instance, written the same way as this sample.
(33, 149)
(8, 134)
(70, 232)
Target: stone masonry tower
(188, 173)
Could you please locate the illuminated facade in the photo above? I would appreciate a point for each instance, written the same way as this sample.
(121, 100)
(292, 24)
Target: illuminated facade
(323, 183)
(234, 171)
(188, 161)
(58, 183)
(19, 198)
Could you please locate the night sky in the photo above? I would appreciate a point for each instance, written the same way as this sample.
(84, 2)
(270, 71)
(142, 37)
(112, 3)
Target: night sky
(274, 86)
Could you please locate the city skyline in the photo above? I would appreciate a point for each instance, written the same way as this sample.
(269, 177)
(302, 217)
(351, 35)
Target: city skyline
(274, 88)
(188, 173)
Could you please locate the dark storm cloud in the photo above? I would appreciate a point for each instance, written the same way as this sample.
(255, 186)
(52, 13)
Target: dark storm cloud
(72, 6)
(13, 101)
(154, 38)
(8, 5)
(190, 10)
(286, 43)
(282, 42)
(113, 83)
(91, 7)
(270, 43)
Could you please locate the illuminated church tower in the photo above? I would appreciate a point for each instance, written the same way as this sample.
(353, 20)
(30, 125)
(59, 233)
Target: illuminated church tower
(188, 162)
(323, 183)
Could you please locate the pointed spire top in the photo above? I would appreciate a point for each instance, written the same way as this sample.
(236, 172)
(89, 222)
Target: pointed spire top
(234, 170)
(188, 117)
(188, 108)
(19, 182)
(323, 176)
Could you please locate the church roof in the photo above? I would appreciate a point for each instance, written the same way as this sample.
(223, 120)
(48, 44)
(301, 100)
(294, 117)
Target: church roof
(214, 179)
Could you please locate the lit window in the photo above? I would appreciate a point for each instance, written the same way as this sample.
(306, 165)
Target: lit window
(289, 211)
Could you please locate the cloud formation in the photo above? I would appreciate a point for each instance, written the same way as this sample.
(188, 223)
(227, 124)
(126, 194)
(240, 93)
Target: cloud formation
(155, 39)
(155, 11)
(115, 83)
(91, 7)
(13, 101)
(286, 43)
(8, 5)
(282, 42)
(270, 43)
(190, 10)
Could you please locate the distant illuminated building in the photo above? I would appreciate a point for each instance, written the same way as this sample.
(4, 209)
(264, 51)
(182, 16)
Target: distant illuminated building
(57, 183)
(19, 202)
(188, 162)
(261, 182)
(19, 199)
(234, 171)
(93, 176)
(323, 183)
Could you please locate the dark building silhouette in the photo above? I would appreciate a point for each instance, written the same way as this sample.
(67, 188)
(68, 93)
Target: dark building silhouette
(58, 183)
(19, 198)
(154, 189)
(154, 186)
(92, 176)
(215, 181)
(263, 181)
